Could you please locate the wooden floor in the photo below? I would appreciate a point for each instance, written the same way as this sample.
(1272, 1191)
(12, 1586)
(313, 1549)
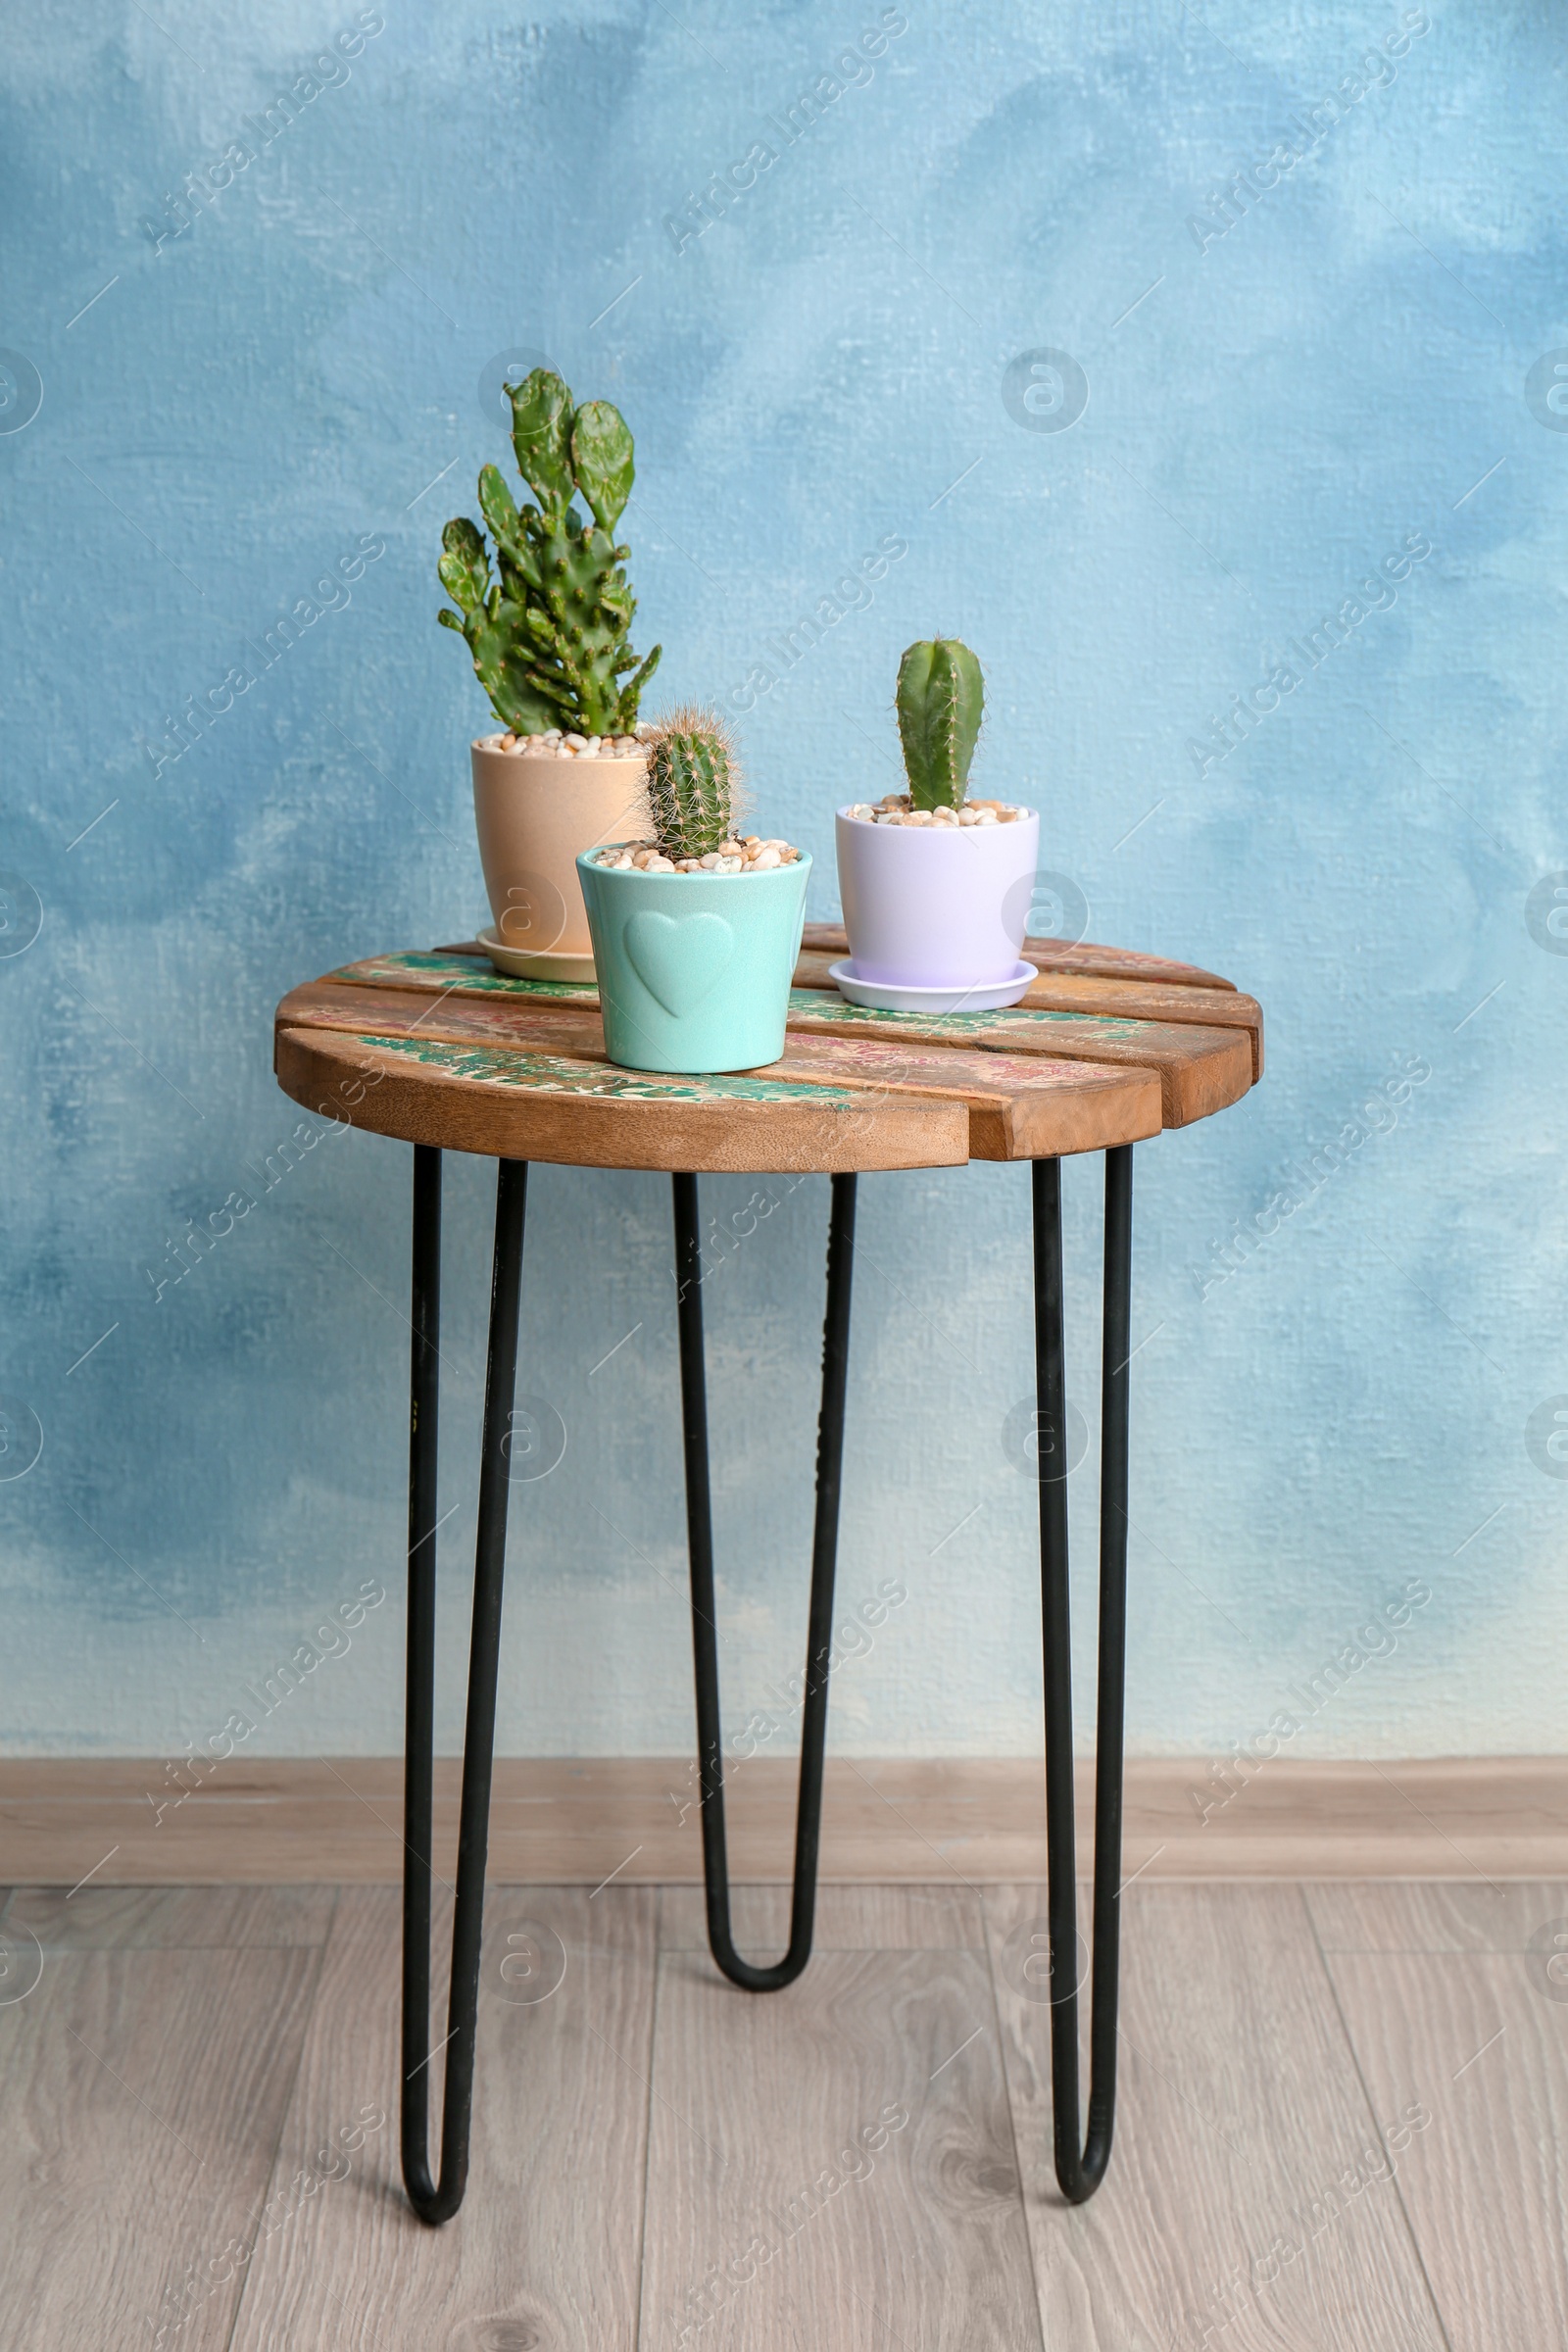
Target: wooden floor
(1344, 2127)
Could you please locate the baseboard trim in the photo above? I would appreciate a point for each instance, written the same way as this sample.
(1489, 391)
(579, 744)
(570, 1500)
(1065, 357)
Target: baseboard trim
(558, 1821)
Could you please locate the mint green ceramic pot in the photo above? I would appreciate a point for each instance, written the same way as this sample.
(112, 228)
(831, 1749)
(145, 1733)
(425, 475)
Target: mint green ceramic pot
(694, 970)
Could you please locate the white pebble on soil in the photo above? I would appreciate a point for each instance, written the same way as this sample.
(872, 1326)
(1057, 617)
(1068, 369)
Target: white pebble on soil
(552, 745)
(749, 857)
(895, 811)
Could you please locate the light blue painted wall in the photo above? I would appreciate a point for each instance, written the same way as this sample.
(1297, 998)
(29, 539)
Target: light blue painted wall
(1272, 412)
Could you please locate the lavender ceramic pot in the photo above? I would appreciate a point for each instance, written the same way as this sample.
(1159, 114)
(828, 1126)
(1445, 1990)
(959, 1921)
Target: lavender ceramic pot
(936, 905)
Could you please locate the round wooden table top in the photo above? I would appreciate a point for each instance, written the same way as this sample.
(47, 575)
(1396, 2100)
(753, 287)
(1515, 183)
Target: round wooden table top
(1106, 1047)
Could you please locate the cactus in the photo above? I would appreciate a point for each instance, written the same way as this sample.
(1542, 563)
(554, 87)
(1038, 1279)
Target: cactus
(940, 696)
(692, 783)
(549, 635)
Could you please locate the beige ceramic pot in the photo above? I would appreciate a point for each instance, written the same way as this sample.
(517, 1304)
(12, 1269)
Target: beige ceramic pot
(536, 813)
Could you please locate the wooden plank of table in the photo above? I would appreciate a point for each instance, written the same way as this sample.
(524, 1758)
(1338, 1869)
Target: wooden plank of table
(1117, 964)
(546, 2251)
(1151, 1000)
(1201, 1070)
(1472, 2041)
(1224, 2220)
(1137, 999)
(1092, 996)
(534, 1105)
(526, 1023)
(1020, 1106)
(1046, 955)
(834, 2166)
(445, 970)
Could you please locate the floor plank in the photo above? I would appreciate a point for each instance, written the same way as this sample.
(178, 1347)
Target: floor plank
(1472, 2044)
(1342, 2123)
(141, 2095)
(1239, 2111)
(849, 1919)
(832, 2167)
(171, 1918)
(545, 2254)
(1485, 1915)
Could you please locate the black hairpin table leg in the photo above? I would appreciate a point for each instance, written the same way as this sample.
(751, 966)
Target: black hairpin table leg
(1080, 2169)
(436, 2201)
(825, 1552)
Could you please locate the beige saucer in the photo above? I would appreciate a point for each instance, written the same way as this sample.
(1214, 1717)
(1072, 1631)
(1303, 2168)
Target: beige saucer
(522, 965)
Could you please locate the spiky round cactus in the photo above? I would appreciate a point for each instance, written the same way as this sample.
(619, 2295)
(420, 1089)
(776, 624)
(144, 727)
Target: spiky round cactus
(692, 783)
(941, 696)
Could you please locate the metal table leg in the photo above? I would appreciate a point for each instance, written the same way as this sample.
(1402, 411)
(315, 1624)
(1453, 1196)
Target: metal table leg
(436, 2201)
(825, 1552)
(1079, 2171)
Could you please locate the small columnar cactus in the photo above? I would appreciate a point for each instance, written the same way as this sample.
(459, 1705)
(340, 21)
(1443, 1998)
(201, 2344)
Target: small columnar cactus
(941, 696)
(692, 783)
(548, 638)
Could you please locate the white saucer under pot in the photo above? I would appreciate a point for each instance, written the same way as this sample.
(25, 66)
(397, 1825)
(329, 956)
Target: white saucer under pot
(884, 998)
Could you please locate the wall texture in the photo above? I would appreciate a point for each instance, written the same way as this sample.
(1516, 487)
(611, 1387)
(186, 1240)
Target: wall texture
(1303, 270)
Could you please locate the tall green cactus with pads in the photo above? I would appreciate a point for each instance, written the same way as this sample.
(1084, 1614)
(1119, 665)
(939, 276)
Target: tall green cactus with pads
(549, 634)
(940, 698)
